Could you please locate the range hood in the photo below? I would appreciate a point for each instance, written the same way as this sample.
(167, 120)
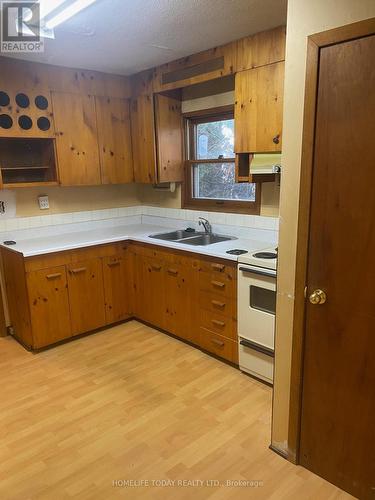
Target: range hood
(265, 163)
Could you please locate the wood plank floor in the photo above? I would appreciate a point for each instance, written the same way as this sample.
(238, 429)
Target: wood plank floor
(133, 404)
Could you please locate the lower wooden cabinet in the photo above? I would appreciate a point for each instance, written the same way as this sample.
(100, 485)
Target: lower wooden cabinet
(57, 296)
(179, 286)
(117, 280)
(86, 295)
(49, 306)
(152, 308)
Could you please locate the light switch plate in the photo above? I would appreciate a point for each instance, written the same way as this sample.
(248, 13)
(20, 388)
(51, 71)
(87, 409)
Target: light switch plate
(43, 202)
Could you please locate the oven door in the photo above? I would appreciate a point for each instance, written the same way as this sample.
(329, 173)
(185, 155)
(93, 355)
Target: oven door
(257, 305)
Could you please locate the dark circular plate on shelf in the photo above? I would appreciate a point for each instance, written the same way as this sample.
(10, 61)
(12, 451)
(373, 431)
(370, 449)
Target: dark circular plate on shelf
(9, 242)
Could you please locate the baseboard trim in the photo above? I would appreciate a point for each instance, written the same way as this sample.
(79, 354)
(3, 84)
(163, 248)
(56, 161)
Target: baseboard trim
(281, 453)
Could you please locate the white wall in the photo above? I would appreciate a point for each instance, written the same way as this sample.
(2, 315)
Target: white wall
(305, 17)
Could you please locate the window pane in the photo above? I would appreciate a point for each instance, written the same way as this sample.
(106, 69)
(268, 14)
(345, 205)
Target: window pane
(216, 181)
(215, 139)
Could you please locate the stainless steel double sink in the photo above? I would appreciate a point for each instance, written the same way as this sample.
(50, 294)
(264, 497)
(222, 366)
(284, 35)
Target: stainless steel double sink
(192, 237)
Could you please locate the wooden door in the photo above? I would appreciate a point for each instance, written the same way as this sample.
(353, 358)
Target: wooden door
(152, 308)
(169, 133)
(258, 110)
(143, 139)
(177, 298)
(117, 278)
(337, 438)
(86, 295)
(181, 296)
(49, 306)
(115, 148)
(76, 139)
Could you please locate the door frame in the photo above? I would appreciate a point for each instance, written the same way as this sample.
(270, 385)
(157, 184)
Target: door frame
(314, 44)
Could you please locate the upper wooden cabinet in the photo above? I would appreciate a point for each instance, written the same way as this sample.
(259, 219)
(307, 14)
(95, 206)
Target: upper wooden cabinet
(260, 49)
(258, 109)
(76, 139)
(143, 139)
(157, 139)
(169, 135)
(114, 138)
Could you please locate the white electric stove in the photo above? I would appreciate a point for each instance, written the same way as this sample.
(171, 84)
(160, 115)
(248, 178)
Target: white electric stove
(256, 312)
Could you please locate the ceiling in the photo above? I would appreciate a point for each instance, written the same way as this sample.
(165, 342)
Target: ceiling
(127, 36)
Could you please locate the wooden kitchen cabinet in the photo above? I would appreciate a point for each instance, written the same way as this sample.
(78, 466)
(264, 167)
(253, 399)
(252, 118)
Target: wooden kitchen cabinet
(114, 138)
(118, 287)
(180, 301)
(258, 110)
(169, 135)
(152, 308)
(76, 139)
(49, 306)
(143, 139)
(55, 296)
(86, 295)
(157, 139)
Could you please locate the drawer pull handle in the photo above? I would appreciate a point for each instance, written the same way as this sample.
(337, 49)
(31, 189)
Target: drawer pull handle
(53, 276)
(218, 284)
(78, 270)
(219, 267)
(173, 271)
(218, 304)
(155, 268)
(112, 264)
(217, 322)
(217, 342)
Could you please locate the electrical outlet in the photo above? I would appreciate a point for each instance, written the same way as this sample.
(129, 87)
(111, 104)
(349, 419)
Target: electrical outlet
(43, 202)
(7, 204)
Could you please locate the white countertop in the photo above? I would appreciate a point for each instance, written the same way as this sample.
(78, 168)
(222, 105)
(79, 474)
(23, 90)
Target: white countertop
(43, 242)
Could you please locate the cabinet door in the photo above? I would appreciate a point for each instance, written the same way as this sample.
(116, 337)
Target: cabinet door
(117, 278)
(76, 139)
(152, 307)
(86, 295)
(169, 135)
(181, 296)
(49, 306)
(258, 109)
(143, 139)
(115, 148)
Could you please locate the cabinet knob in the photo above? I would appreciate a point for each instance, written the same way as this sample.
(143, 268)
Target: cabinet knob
(276, 139)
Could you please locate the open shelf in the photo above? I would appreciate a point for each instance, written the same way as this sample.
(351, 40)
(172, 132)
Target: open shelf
(27, 162)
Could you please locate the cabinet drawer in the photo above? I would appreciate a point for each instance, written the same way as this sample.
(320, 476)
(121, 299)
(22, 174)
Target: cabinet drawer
(46, 261)
(217, 284)
(217, 304)
(225, 348)
(94, 252)
(218, 324)
(225, 271)
(149, 251)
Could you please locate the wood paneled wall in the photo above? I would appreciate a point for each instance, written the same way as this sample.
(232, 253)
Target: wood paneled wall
(25, 75)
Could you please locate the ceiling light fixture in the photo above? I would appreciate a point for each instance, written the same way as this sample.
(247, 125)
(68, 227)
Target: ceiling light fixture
(68, 11)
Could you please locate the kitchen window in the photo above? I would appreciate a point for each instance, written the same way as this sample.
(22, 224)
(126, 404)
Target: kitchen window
(210, 166)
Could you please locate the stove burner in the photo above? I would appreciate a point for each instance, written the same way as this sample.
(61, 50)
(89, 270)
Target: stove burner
(265, 255)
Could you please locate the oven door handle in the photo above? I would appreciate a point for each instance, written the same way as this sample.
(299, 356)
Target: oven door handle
(258, 347)
(256, 271)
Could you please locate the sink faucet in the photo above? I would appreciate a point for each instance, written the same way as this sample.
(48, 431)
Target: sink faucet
(205, 223)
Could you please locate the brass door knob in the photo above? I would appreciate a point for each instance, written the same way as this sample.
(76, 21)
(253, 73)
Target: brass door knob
(318, 297)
